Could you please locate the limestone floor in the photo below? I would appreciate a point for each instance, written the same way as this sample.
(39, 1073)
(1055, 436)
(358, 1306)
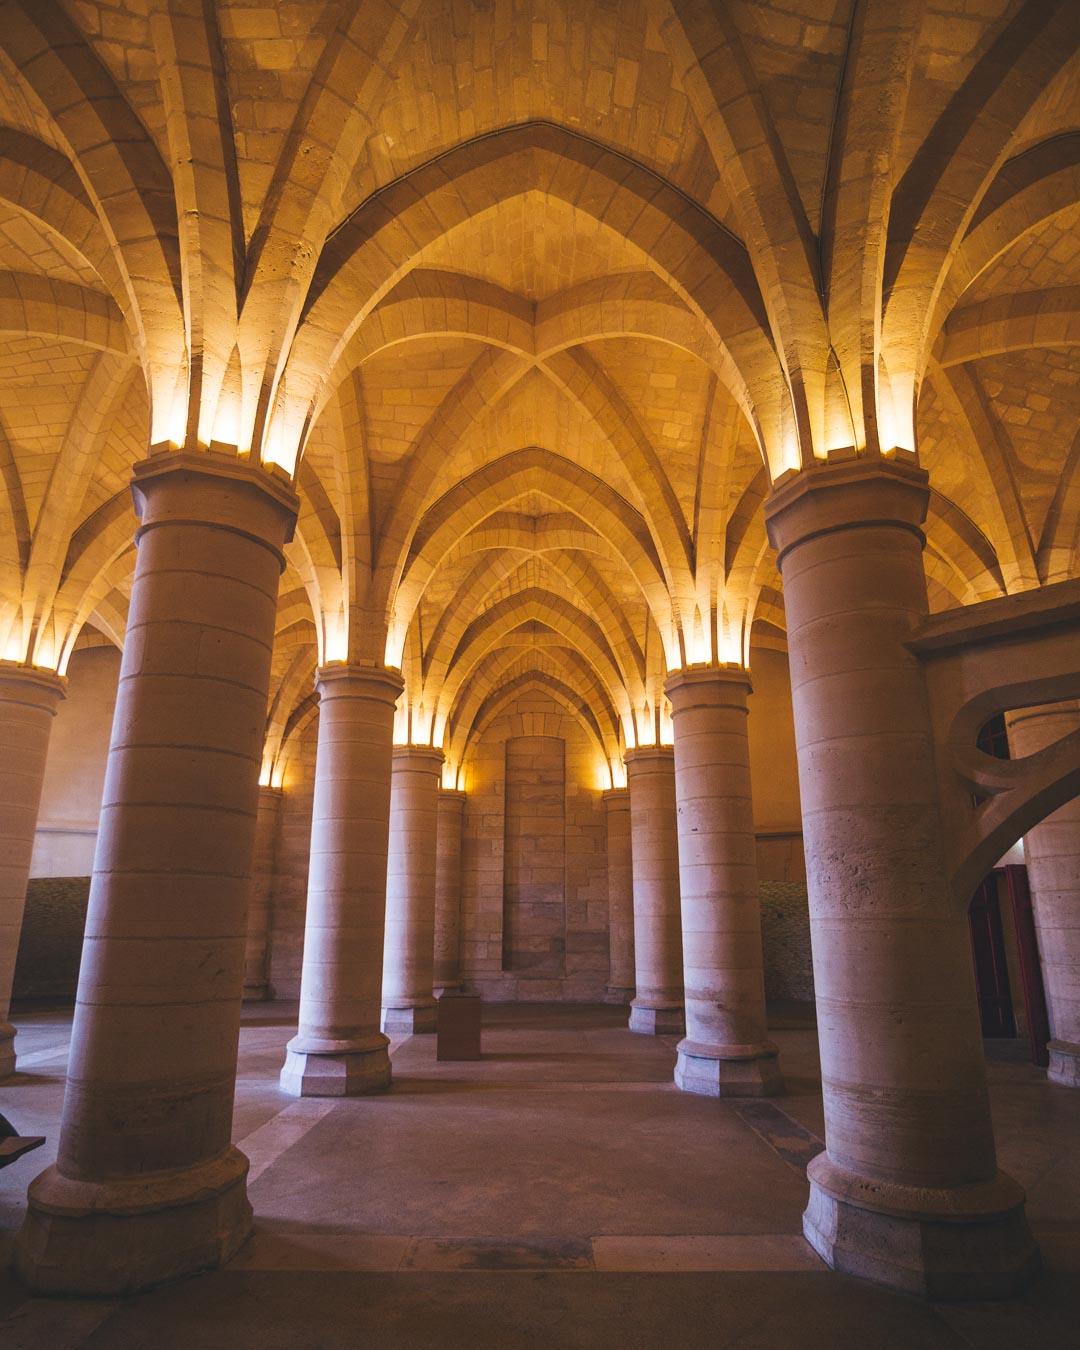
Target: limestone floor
(559, 1193)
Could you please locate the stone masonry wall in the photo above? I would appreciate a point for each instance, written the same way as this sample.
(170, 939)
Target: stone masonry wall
(584, 865)
(785, 936)
(288, 896)
(47, 966)
(534, 857)
(785, 921)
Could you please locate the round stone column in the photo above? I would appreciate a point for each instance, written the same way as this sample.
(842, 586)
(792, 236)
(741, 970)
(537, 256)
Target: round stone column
(147, 1185)
(620, 889)
(409, 953)
(29, 699)
(257, 949)
(338, 1050)
(908, 1192)
(451, 812)
(1052, 856)
(727, 1052)
(657, 1007)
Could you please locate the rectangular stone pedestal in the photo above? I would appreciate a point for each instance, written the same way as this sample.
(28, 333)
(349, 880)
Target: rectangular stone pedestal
(458, 1026)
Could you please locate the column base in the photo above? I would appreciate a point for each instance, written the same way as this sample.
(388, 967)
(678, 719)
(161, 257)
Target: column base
(1064, 1066)
(450, 987)
(418, 1021)
(7, 1050)
(728, 1071)
(669, 1021)
(318, 1068)
(256, 993)
(962, 1242)
(118, 1237)
(618, 993)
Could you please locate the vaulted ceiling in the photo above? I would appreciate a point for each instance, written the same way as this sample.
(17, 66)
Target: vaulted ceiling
(535, 300)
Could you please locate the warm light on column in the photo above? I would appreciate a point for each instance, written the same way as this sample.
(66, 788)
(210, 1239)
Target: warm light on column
(698, 646)
(335, 638)
(272, 773)
(225, 424)
(45, 656)
(15, 647)
(281, 445)
(790, 460)
(168, 428)
(395, 646)
(895, 412)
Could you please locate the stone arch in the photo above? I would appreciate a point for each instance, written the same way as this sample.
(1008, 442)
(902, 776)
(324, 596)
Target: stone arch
(1009, 323)
(707, 48)
(704, 263)
(43, 307)
(1025, 792)
(500, 698)
(121, 171)
(936, 198)
(42, 183)
(1060, 540)
(564, 664)
(571, 626)
(577, 583)
(479, 496)
(1028, 189)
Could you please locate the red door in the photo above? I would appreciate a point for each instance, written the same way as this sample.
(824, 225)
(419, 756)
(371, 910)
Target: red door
(991, 968)
(1030, 971)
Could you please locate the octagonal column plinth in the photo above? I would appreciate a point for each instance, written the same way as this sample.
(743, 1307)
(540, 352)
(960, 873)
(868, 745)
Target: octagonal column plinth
(339, 1050)
(620, 889)
(908, 1192)
(726, 1052)
(409, 954)
(451, 812)
(147, 1185)
(1052, 856)
(657, 1007)
(29, 699)
(257, 949)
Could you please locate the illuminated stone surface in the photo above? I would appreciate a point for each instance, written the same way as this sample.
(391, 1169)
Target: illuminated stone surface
(538, 309)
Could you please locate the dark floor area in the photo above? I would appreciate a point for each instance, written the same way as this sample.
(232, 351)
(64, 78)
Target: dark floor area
(559, 1193)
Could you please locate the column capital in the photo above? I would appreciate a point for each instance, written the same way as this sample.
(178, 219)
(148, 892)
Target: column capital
(452, 796)
(643, 756)
(196, 487)
(419, 756)
(32, 686)
(344, 679)
(617, 798)
(724, 686)
(853, 494)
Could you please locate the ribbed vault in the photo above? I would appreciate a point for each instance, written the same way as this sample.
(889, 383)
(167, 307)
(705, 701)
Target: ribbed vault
(533, 323)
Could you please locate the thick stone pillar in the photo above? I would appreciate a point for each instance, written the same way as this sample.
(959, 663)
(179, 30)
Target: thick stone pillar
(620, 889)
(451, 811)
(147, 1185)
(409, 952)
(657, 1007)
(907, 1192)
(1052, 856)
(257, 949)
(29, 699)
(727, 1052)
(338, 1050)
